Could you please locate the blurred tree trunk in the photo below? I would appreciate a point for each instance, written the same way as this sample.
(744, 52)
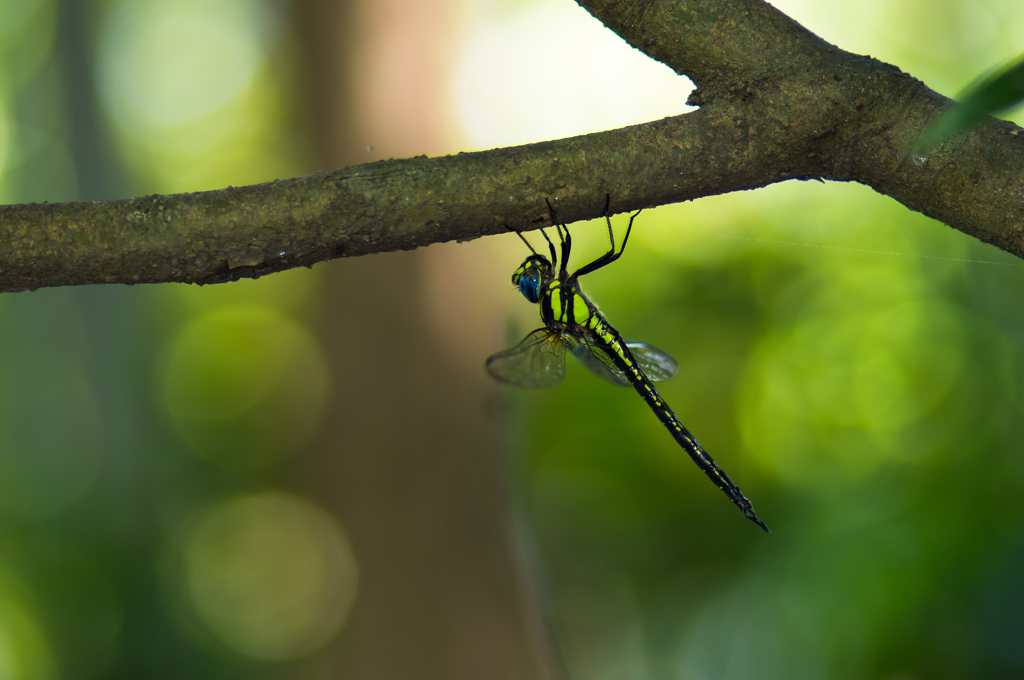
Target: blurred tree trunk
(406, 459)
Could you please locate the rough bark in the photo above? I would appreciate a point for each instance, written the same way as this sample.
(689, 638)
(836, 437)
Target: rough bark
(776, 103)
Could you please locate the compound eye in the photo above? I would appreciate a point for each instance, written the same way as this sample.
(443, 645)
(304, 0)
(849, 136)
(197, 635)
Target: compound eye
(529, 285)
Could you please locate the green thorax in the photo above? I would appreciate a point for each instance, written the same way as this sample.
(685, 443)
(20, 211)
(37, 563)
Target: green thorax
(564, 304)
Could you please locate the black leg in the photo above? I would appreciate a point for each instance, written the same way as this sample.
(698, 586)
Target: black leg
(523, 238)
(566, 241)
(629, 229)
(551, 246)
(611, 255)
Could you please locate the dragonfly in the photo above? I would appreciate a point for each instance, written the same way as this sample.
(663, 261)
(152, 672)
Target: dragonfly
(573, 323)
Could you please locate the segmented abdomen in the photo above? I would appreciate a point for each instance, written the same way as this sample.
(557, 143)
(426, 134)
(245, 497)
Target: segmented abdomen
(610, 338)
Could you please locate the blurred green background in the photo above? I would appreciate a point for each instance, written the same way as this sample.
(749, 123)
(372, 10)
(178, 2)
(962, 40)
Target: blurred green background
(311, 476)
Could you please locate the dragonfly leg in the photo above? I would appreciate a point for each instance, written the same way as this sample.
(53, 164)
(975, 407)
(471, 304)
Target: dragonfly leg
(611, 255)
(565, 239)
(551, 246)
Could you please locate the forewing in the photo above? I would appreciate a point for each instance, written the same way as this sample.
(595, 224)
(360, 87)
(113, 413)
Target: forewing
(656, 365)
(537, 361)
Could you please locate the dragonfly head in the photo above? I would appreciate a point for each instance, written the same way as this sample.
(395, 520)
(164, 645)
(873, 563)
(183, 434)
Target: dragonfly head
(531, 276)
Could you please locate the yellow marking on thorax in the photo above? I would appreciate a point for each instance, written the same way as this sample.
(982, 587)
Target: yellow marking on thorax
(555, 296)
(580, 310)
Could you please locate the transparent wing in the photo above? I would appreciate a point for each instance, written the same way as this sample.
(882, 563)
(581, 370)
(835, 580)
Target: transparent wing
(656, 365)
(537, 361)
(599, 359)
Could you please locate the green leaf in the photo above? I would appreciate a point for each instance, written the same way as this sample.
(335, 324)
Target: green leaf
(996, 92)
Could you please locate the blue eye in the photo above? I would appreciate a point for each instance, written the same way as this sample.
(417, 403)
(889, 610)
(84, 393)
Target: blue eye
(529, 285)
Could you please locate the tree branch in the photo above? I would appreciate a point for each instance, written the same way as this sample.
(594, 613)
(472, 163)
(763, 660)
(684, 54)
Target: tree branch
(828, 112)
(776, 102)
